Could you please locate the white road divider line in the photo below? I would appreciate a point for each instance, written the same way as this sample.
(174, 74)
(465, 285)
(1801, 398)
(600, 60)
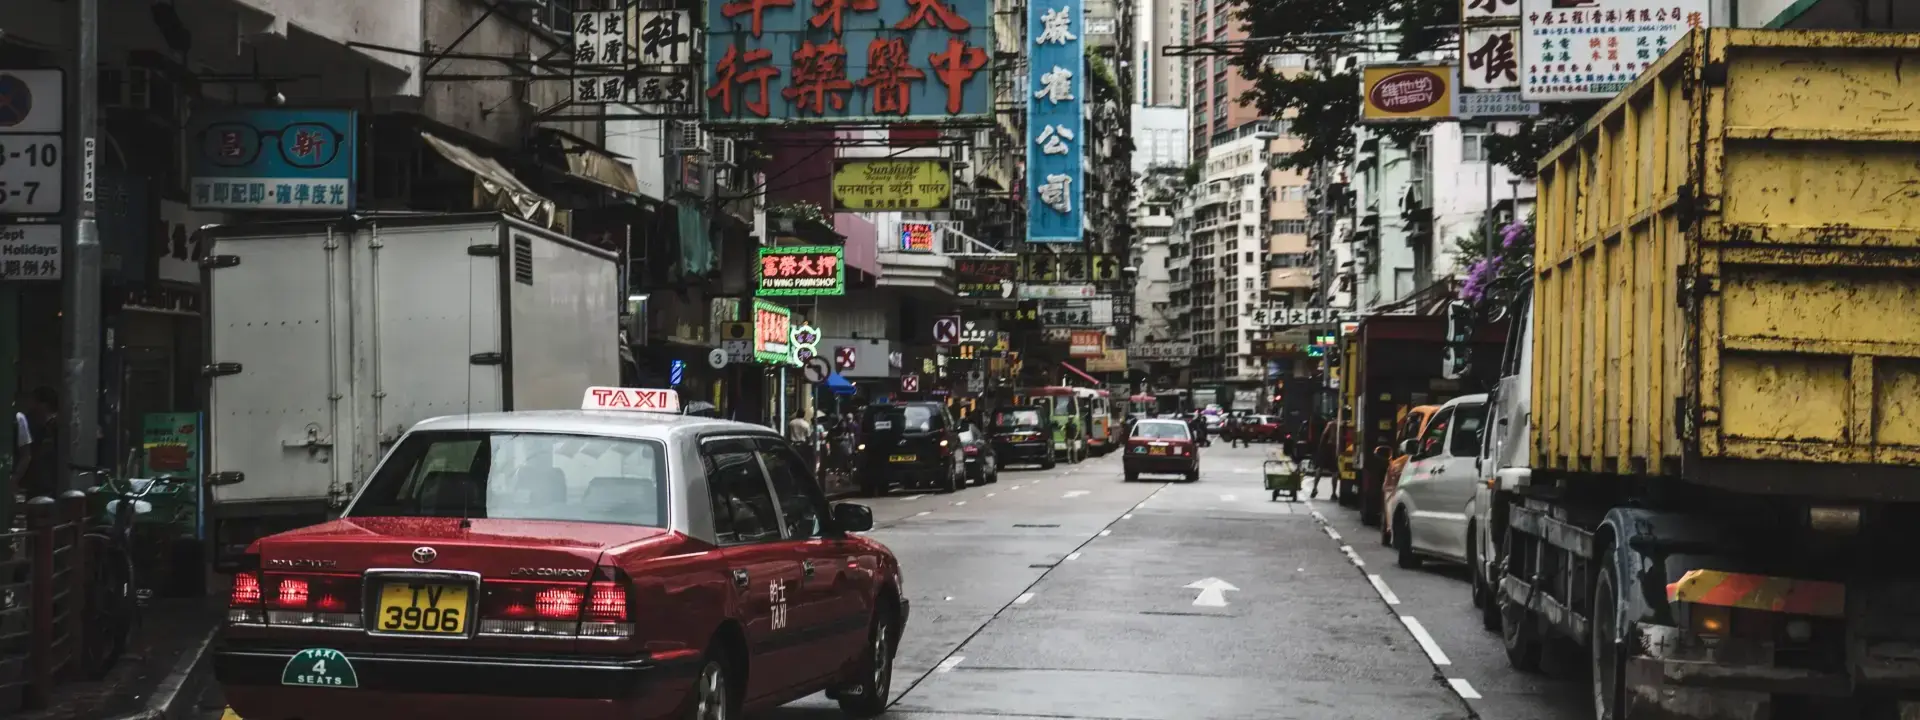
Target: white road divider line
(958, 504)
(992, 494)
(923, 512)
(1022, 600)
(1073, 556)
(912, 498)
(1354, 556)
(1104, 533)
(1075, 493)
(1229, 498)
(1332, 533)
(1460, 685)
(948, 664)
(1128, 516)
(1426, 641)
(1016, 487)
(1380, 585)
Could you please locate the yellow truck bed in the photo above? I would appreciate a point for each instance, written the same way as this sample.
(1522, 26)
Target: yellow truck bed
(1727, 270)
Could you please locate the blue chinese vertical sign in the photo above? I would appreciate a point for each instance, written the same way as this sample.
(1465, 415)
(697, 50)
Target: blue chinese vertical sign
(840, 61)
(1056, 123)
(273, 159)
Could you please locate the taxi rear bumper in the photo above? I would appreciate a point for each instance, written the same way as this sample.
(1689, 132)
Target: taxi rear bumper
(251, 676)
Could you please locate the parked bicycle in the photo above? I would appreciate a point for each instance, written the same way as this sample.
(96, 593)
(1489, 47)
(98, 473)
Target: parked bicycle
(112, 599)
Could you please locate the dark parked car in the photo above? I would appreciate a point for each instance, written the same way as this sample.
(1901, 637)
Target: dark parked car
(1023, 436)
(912, 444)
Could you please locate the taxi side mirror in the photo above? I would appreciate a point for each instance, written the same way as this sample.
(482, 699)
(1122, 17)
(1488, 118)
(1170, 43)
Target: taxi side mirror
(1407, 447)
(853, 518)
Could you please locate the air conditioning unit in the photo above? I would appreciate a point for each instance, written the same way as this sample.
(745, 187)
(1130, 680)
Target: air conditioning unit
(690, 139)
(723, 151)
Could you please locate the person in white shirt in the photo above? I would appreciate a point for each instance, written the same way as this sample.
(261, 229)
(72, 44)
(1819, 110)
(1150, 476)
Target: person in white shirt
(22, 448)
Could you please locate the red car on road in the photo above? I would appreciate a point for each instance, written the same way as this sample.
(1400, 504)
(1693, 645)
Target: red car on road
(1161, 447)
(588, 564)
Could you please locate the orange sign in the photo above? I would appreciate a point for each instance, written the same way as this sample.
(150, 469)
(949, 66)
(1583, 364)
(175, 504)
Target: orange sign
(1087, 343)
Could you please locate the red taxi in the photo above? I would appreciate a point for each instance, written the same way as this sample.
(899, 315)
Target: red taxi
(599, 563)
(1161, 447)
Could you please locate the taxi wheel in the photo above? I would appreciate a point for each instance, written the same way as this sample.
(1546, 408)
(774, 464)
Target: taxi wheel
(713, 696)
(867, 696)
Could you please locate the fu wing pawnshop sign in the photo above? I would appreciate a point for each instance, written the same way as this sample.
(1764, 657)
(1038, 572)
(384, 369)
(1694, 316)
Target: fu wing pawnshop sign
(782, 61)
(274, 159)
(802, 271)
(1056, 124)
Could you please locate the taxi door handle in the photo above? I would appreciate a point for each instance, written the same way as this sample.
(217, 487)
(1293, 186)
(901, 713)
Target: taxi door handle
(806, 567)
(740, 579)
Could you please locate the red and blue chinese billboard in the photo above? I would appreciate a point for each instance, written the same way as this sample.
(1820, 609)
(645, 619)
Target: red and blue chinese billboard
(848, 61)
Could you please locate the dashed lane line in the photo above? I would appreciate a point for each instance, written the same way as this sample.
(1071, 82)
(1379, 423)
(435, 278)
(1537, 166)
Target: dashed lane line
(1332, 533)
(1426, 641)
(1024, 597)
(912, 498)
(1460, 685)
(950, 663)
(923, 513)
(1073, 556)
(1104, 533)
(958, 504)
(1386, 593)
(1354, 556)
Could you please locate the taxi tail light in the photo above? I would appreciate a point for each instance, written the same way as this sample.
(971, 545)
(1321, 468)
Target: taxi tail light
(311, 599)
(243, 605)
(607, 614)
(515, 607)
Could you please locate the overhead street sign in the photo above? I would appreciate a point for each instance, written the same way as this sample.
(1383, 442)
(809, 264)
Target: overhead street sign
(845, 357)
(909, 383)
(817, 370)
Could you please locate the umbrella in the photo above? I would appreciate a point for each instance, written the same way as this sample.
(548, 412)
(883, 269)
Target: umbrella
(839, 385)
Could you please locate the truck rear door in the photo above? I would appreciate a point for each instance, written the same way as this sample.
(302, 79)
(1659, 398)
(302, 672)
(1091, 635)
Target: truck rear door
(278, 367)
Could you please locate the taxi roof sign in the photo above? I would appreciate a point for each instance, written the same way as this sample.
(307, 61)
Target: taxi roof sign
(631, 399)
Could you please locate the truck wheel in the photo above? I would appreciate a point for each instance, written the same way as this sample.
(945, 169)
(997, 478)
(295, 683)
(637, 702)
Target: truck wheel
(1403, 543)
(1518, 634)
(1603, 647)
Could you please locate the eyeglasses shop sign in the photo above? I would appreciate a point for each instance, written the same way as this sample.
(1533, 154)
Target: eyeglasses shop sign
(30, 252)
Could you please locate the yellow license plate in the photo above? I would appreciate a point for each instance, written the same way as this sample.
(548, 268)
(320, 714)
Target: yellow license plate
(422, 608)
(1156, 451)
(904, 458)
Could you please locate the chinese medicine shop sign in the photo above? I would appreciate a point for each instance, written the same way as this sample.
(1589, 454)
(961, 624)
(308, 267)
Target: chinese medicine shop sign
(867, 185)
(1056, 127)
(774, 61)
(274, 160)
(790, 271)
(1592, 49)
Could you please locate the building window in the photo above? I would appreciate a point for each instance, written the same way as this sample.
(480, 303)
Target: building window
(1293, 193)
(1289, 227)
(1473, 146)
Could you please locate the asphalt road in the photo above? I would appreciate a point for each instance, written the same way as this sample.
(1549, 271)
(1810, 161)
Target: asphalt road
(1070, 594)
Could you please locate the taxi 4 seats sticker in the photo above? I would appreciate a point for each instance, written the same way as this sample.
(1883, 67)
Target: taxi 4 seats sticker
(320, 667)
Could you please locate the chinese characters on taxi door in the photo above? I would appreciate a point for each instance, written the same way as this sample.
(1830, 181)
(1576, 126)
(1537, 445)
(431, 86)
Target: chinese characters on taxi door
(846, 60)
(1055, 124)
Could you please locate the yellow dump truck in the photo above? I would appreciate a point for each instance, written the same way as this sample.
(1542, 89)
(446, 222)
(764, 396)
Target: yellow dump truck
(1715, 483)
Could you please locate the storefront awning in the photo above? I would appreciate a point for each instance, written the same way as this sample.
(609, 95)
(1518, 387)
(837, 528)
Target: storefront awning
(1077, 371)
(593, 164)
(495, 186)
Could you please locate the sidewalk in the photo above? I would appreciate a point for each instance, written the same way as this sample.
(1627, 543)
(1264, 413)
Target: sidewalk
(159, 677)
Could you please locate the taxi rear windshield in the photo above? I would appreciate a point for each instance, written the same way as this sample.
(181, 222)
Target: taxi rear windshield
(900, 418)
(520, 476)
(1016, 419)
(1160, 431)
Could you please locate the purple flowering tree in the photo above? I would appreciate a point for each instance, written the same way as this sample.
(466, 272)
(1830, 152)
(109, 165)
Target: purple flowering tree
(1493, 281)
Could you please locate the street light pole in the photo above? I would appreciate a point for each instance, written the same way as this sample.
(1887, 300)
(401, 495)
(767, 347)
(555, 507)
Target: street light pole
(81, 309)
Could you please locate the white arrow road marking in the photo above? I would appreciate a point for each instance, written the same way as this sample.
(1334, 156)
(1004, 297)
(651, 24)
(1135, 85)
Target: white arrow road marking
(1460, 685)
(1022, 600)
(1075, 493)
(1426, 641)
(1213, 592)
(1380, 586)
(949, 663)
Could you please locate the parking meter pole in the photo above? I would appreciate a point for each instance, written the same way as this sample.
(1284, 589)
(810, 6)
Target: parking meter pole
(81, 311)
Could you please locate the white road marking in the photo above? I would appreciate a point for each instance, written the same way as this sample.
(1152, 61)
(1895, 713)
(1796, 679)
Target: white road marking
(962, 502)
(1229, 498)
(1354, 556)
(949, 663)
(1380, 586)
(1460, 685)
(1318, 516)
(1104, 533)
(923, 512)
(992, 494)
(1426, 641)
(1128, 516)
(1242, 471)
(1332, 533)
(1075, 493)
(1073, 556)
(913, 498)
(1022, 600)
(1213, 592)
(1016, 487)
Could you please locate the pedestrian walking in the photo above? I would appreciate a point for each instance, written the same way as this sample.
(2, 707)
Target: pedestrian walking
(1325, 457)
(42, 476)
(1242, 432)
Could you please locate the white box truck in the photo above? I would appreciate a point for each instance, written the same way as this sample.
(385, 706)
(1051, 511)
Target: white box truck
(325, 340)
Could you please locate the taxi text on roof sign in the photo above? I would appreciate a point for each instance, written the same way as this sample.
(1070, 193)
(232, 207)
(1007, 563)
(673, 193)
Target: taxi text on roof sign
(631, 399)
